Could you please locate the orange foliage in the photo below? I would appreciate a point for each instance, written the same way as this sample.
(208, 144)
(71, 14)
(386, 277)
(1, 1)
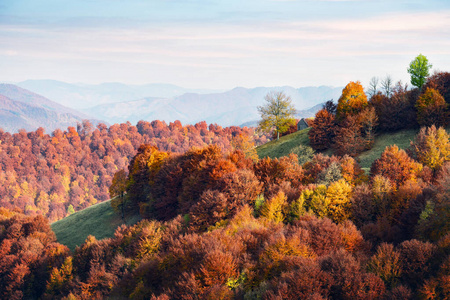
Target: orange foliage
(352, 101)
(431, 109)
(396, 165)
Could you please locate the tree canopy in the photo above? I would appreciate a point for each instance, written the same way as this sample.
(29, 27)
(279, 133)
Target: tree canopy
(419, 69)
(352, 100)
(277, 113)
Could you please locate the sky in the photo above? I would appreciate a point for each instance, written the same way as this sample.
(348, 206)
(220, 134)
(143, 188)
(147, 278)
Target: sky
(220, 44)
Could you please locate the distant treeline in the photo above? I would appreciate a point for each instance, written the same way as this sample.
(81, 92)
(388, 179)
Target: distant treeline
(65, 171)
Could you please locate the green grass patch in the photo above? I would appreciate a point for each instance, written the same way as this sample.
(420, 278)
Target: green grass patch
(401, 138)
(98, 220)
(282, 147)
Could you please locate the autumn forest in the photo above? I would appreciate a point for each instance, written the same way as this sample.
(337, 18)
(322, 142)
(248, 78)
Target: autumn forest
(219, 222)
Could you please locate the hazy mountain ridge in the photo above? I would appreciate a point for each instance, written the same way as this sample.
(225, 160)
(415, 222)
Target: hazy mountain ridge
(23, 109)
(233, 107)
(81, 96)
(119, 103)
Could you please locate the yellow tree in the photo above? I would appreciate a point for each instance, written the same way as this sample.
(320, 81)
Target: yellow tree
(338, 195)
(276, 208)
(431, 147)
(277, 113)
(244, 143)
(352, 100)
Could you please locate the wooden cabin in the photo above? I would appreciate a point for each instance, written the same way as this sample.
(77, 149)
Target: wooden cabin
(302, 124)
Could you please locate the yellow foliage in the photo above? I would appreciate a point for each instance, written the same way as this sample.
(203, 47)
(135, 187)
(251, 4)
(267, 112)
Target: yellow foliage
(118, 142)
(315, 200)
(243, 219)
(155, 160)
(283, 247)
(297, 207)
(244, 143)
(432, 147)
(60, 277)
(275, 209)
(382, 191)
(338, 195)
(149, 241)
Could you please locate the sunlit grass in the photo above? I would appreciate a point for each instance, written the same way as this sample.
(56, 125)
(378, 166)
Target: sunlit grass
(401, 138)
(284, 145)
(98, 220)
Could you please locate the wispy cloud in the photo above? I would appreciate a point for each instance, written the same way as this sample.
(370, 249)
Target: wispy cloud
(296, 51)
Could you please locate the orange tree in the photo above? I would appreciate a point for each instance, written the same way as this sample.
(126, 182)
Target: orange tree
(431, 108)
(396, 165)
(352, 100)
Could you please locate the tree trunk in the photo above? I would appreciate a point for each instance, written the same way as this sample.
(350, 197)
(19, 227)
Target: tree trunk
(278, 135)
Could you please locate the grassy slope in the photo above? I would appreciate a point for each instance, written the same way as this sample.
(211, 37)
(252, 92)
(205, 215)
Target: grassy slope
(98, 220)
(284, 145)
(402, 139)
(287, 143)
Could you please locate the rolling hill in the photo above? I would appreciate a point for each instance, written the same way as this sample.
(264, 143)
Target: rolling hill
(23, 109)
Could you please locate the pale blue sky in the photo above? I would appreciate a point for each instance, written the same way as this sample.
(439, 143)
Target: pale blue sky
(220, 44)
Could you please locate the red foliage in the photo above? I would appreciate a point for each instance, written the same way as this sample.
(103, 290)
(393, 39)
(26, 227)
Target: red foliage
(322, 132)
(273, 172)
(441, 82)
(416, 257)
(45, 173)
(397, 111)
(28, 253)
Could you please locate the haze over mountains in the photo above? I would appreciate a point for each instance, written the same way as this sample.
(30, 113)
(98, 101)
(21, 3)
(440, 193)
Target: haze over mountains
(116, 102)
(82, 96)
(22, 109)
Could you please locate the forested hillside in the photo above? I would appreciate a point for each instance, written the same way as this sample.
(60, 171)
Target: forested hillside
(221, 226)
(221, 223)
(58, 173)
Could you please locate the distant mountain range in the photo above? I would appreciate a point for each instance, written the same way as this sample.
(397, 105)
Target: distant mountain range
(22, 109)
(81, 96)
(117, 102)
(233, 107)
